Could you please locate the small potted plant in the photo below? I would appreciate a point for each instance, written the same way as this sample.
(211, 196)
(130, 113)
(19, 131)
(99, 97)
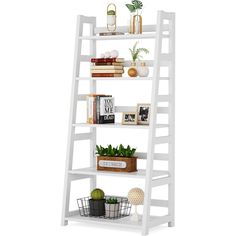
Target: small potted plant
(112, 207)
(135, 55)
(116, 158)
(97, 203)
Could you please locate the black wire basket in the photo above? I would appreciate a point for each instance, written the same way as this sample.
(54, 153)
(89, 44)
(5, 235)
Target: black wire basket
(101, 209)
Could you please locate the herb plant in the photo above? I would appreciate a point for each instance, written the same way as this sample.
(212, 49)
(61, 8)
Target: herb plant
(120, 151)
(135, 52)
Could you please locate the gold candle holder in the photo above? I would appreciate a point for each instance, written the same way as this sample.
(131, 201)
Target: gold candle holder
(111, 17)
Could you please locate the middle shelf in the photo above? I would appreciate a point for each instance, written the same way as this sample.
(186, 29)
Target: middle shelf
(118, 125)
(138, 174)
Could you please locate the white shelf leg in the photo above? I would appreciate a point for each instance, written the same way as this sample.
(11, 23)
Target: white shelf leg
(152, 130)
(93, 180)
(171, 188)
(72, 119)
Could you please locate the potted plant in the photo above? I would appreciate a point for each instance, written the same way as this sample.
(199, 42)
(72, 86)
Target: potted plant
(112, 207)
(135, 18)
(97, 203)
(118, 159)
(135, 55)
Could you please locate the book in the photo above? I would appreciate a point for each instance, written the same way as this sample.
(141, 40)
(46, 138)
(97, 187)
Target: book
(98, 106)
(106, 75)
(108, 71)
(107, 67)
(91, 108)
(106, 110)
(108, 63)
(107, 60)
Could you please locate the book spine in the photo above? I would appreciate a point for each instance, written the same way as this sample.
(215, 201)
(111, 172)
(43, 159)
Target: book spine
(94, 111)
(108, 63)
(106, 75)
(97, 108)
(108, 71)
(104, 60)
(106, 68)
(89, 110)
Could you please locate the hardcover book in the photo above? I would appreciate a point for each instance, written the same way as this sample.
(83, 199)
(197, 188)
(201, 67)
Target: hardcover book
(108, 71)
(107, 67)
(109, 63)
(105, 107)
(106, 75)
(91, 108)
(104, 60)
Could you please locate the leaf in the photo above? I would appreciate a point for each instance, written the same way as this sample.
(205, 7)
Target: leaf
(130, 7)
(137, 4)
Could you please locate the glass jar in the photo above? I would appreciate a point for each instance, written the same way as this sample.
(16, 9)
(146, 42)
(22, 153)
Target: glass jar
(143, 70)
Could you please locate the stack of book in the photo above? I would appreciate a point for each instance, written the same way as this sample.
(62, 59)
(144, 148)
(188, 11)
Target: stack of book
(107, 67)
(100, 109)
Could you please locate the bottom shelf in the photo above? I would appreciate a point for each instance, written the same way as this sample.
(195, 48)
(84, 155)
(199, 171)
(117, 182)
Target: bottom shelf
(122, 222)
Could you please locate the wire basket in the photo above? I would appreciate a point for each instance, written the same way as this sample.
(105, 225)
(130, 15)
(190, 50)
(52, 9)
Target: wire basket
(108, 211)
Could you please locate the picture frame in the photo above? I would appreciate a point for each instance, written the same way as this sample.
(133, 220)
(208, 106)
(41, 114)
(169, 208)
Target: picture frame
(129, 118)
(143, 113)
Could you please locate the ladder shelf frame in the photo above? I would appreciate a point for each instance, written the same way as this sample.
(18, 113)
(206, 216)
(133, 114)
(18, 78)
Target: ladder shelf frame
(153, 178)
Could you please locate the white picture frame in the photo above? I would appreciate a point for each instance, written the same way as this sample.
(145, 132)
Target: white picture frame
(129, 118)
(143, 113)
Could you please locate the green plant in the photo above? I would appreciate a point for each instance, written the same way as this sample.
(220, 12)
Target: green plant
(120, 151)
(97, 194)
(112, 200)
(135, 6)
(135, 52)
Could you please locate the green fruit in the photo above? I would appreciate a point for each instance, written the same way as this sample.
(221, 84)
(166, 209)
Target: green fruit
(111, 12)
(97, 194)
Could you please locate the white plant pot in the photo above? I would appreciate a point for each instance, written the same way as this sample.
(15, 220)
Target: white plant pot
(143, 70)
(112, 210)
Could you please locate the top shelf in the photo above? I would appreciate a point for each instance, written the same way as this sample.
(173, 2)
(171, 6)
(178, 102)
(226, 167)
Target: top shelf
(118, 37)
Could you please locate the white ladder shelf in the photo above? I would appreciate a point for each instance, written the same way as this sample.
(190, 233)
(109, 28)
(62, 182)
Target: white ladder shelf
(164, 28)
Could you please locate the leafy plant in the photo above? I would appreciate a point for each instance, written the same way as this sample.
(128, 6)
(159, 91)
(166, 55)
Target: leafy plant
(135, 6)
(112, 200)
(135, 52)
(120, 151)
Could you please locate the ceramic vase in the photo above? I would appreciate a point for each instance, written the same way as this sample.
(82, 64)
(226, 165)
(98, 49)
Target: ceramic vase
(132, 72)
(143, 70)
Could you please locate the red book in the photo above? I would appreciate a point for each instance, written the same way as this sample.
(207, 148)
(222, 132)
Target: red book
(104, 60)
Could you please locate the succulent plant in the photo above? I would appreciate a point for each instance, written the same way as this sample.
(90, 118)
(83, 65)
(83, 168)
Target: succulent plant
(112, 200)
(120, 151)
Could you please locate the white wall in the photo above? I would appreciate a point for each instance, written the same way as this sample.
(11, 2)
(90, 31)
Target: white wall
(36, 58)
